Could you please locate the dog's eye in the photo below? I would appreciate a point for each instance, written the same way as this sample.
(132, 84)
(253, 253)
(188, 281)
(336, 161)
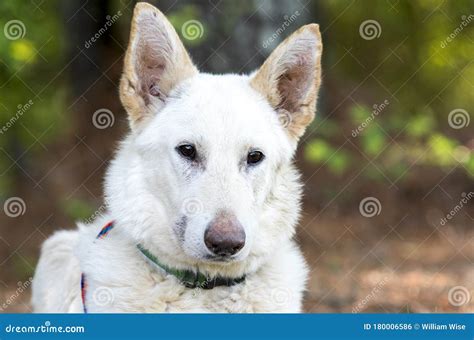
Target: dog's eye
(255, 157)
(187, 151)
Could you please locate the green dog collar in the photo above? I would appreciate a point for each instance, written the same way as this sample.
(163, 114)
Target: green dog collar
(189, 278)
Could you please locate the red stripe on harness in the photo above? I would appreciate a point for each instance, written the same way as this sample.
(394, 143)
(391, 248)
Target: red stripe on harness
(103, 232)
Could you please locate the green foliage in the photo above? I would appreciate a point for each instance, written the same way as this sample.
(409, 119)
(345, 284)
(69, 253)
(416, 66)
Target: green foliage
(415, 73)
(78, 209)
(30, 55)
(320, 152)
(441, 150)
(421, 125)
(189, 25)
(373, 140)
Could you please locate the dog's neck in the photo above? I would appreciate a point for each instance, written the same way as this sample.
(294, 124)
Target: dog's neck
(190, 278)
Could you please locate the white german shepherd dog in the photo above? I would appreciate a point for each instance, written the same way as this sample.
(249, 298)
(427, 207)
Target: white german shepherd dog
(202, 196)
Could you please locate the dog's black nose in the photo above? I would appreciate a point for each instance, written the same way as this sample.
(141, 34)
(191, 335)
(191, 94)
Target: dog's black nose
(224, 235)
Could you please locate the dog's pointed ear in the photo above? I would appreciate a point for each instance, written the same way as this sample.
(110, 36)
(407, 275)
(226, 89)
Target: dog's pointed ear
(290, 78)
(155, 62)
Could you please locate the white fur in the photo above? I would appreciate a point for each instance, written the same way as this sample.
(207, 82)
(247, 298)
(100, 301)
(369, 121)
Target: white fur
(145, 193)
(150, 187)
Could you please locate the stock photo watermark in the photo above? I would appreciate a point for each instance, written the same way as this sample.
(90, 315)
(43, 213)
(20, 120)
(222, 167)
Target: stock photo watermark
(284, 117)
(14, 207)
(103, 119)
(14, 30)
(97, 214)
(103, 296)
(288, 20)
(192, 30)
(370, 207)
(47, 327)
(21, 109)
(373, 293)
(458, 207)
(370, 29)
(458, 119)
(22, 287)
(377, 109)
(459, 296)
(466, 20)
(111, 19)
(192, 206)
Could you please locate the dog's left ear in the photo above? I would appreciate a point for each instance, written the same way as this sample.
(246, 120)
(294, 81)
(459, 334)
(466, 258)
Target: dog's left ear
(156, 61)
(290, 78)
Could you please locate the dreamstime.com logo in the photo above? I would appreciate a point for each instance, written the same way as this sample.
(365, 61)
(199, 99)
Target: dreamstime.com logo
(103, 119)
(466, 20)
(281, 296)
(46, 328)
(370, 29)
(464, 200)
(14, 30)
(192, 206)
(192, 30)
(288, 20)
(103, 296)
(377, 109)
(458, 119)
(459, 296)
(22, 287)
(97, 214)
(21, 109)
(284, 117)
(362, 303)
(111, 19)
(14, 207)
(370, 207)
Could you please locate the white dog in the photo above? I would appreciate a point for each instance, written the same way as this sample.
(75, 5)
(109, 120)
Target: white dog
(202, 196)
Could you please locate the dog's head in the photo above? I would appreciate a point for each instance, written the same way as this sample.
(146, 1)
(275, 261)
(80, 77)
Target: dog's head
(207, 170)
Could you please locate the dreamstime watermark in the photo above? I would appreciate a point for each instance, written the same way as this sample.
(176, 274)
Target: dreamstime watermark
(21, 109)
(103, 296)
(281, 296)
(110, 21)
(22, 287)
(370, 29)
(14, 30)
(464, 200)
(459, 296)
(14, 207)
(284, 117)
(377, 109)
(362, 303)
(466, 20)
(288, 20)
(370, 207)
(45, 328)
(458, 119)
(97, 214)
(192, 30)
(103, 118)
(192, 206)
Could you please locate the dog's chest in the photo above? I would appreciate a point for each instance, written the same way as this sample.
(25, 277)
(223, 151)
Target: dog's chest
(153, 292)
(124, 281)
(119, 279)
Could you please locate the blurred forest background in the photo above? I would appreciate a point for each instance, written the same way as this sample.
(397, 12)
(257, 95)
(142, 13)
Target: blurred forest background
(388, 164)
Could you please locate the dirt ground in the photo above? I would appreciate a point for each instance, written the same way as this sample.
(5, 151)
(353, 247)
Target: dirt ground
(358, 266)
(397, 269)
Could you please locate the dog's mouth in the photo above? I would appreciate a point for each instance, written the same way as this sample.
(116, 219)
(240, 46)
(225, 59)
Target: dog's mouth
(220, 259)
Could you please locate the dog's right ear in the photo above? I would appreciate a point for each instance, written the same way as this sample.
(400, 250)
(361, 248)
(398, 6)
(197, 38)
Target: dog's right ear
(155, 62)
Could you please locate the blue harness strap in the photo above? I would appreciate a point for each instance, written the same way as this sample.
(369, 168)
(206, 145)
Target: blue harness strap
(102, 234)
